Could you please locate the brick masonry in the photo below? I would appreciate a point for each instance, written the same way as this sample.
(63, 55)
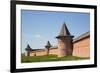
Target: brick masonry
(81, 48)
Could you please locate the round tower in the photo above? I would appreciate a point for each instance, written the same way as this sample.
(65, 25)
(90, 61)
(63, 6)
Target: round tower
(47, 46)
(65, 45)
(28, 50)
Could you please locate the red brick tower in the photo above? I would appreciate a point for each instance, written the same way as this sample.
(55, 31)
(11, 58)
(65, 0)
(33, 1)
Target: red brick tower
(28, 50)
(65, 45)
(47, 46)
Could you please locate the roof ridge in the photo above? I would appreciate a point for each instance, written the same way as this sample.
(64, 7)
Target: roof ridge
(81, 36)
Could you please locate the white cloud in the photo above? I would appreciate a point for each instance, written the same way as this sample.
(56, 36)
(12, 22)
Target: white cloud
(38, 36)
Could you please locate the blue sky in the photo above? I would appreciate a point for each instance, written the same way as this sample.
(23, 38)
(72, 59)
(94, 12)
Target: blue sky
(40, 26)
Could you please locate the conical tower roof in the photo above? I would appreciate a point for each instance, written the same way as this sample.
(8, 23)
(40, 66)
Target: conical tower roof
(48, 44)
(28, 47)
(64, 31)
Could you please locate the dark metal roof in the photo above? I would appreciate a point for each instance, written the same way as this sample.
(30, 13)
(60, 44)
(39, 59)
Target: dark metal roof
(87, 34)
(64, 31)
(48, 44)
(28, 47)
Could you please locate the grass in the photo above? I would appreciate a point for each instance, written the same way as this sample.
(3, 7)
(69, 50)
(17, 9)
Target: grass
(47, 58)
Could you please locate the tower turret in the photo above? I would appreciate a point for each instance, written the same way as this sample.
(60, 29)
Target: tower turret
(47, 46)
(65, 45)
(28, 49)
